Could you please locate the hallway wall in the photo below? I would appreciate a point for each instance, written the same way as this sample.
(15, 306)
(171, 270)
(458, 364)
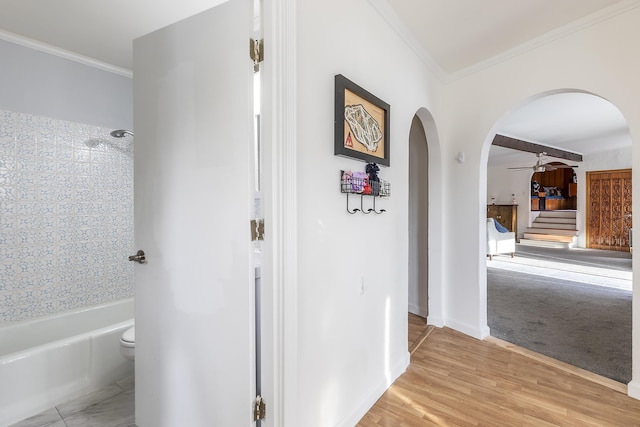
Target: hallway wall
(353, 269)
(592, 58)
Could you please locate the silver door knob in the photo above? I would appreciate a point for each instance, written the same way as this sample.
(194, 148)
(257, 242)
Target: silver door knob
(138, 257)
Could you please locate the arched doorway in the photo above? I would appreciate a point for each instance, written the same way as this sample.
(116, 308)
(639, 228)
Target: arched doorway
(603, 148)
(424, 227)
(418, 220)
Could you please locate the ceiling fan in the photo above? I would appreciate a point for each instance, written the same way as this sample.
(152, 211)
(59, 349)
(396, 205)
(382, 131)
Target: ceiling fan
(542, 167)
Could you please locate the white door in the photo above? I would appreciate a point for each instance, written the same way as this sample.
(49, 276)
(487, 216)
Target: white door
(193, 193)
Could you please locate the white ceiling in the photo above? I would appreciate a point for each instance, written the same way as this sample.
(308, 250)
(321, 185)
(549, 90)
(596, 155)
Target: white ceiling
(455, 34)
(576, 122)
(100, 29)
(460, 33)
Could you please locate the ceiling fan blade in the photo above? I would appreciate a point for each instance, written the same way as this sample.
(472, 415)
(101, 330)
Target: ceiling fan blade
(564, 166)
(521, 168)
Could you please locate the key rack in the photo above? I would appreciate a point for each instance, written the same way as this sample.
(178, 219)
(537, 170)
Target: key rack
(358, 183)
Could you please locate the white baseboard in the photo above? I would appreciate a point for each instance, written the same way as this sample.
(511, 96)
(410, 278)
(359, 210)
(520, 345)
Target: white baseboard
(633, 389)
(475, 331)
(436, 321)
(356, 415)
(418, 311)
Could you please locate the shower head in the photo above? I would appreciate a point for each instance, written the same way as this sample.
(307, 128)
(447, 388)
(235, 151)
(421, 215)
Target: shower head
(126, 148)
(121, 133)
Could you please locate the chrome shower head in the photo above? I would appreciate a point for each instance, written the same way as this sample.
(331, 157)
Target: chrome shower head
(126, 148)
(121, 133)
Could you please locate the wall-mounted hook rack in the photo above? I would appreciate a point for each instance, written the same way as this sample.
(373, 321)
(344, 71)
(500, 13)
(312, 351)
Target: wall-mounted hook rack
(358, 183)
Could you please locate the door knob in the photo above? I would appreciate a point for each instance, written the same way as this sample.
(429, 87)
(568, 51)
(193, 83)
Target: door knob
(138, 257)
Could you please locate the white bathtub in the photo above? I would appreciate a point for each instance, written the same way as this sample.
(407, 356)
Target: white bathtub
(47, 361)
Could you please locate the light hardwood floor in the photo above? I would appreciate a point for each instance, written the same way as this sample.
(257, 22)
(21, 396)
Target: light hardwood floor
(456, 380)
(417, 325)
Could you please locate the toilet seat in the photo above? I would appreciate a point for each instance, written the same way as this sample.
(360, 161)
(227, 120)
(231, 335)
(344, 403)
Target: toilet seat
(128, 343)
(129, 336)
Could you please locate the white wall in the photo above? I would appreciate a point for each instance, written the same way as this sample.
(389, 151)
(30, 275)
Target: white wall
(502, 182)
(594, 59)
(42, 84)
(351, 345)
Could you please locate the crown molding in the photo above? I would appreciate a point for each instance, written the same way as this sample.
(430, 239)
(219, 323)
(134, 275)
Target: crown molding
(389, 15)
(551, 36)
(62, 53)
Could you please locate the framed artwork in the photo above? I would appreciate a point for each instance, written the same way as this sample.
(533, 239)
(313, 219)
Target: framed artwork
(361, 123)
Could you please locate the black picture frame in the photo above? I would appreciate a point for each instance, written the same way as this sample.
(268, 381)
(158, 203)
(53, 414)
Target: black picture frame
(361, 123)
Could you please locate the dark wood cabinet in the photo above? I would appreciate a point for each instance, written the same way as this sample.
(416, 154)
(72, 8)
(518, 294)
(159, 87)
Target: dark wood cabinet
(507, 215)
(560, 179)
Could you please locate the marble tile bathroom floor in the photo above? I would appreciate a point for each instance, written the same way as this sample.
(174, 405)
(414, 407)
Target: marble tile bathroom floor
(112, 406)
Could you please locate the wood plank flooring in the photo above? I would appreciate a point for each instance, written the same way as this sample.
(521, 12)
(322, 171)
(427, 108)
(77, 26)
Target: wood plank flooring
(418, 331)
(456, 380)
(417, 325)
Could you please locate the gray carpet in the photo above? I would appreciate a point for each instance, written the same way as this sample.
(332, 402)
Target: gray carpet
(612, 260)
(584, 325)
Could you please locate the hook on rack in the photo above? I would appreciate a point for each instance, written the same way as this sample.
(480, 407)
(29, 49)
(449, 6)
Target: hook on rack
(374, 208)
(364, 211)
(355, 209)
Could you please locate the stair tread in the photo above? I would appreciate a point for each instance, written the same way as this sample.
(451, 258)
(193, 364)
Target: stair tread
(557, 231)
(557, 214)
(545, 243)
(554, 225)
(549, 237)
(555, 220)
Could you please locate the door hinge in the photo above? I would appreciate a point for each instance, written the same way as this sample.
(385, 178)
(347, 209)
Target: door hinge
(256, 52)
(257, 229)
(259, 409)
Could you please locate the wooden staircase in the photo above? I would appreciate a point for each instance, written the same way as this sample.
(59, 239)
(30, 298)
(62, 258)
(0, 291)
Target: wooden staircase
(552, 229)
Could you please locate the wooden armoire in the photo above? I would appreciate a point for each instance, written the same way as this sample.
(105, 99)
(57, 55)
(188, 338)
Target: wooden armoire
(507, 215)
(609, 209)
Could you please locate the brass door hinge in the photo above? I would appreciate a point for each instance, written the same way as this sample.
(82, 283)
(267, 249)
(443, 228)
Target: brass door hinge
(257, 229)
(256, 52)
(259, 409)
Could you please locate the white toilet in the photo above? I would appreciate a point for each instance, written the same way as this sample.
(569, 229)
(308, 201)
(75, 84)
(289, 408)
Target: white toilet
(128, 343)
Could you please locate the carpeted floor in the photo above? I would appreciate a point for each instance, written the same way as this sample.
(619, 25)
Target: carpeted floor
(586, 325)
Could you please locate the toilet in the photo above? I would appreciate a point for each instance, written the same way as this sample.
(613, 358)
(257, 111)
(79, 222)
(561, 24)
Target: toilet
(128, 343)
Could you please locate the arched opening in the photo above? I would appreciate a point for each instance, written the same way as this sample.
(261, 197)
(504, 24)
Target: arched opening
(425, 293)
(418, 220)
(524, 298)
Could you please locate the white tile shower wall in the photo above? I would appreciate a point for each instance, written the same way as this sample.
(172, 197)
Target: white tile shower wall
(66, 217)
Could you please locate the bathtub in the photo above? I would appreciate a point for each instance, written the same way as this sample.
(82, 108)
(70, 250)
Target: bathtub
(47, 361)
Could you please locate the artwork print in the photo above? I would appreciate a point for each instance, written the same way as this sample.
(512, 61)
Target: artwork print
(361, 123)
